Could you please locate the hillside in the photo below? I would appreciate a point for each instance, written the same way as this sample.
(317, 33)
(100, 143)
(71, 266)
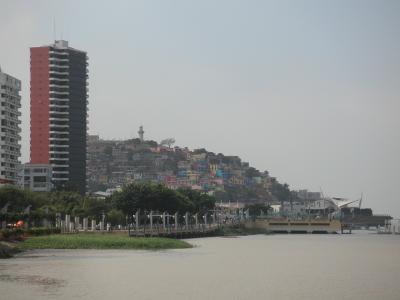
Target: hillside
(115, 163)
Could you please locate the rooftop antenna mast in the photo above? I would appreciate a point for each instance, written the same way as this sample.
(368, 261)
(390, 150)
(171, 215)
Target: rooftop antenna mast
(54, 28)
(359, 204)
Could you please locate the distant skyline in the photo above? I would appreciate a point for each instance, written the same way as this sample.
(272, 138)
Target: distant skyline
(308, 90)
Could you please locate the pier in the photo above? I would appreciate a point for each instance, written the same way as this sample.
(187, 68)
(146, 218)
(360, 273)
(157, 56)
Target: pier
(175, 232)
(155, 224)
(171, 225)
(284, 225)
(391, 227)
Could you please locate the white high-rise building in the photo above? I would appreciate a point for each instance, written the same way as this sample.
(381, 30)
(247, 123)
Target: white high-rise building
(10, 150)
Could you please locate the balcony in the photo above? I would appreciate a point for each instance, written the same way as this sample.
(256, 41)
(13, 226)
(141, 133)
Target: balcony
(59, 102)
(58, 152)
(56, 77)
(59, 131)
(53, 141)
(63, 166)
(60, 172)
(58, 158)
(59, 67)
(59, 119)
(59, 126)
(58, 52)
(58, 92)
(63, 135)
(58, 147)
(54, 113)
(58, 59)
(58, 73)
(60, 79)
(59, 106)
(61, 86)
(57, 98)
(59, 178)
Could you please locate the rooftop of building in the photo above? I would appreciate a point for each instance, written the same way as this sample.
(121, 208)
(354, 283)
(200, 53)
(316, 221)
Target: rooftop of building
(6, 78)
(61, 44)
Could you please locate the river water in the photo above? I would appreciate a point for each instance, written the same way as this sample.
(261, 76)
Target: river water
(357, 266)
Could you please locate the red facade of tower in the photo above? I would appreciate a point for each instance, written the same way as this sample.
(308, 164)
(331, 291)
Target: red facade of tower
(40, 97)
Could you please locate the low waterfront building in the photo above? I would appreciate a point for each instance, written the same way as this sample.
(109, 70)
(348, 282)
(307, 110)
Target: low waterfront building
(35, 177)
(107, 193)
(293, 208)
(307, 195)
(5, 182)
(275, 208)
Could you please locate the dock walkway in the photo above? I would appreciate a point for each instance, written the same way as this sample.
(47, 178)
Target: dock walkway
(175, 232)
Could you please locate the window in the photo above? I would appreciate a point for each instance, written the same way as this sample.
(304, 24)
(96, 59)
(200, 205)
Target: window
(39, 179)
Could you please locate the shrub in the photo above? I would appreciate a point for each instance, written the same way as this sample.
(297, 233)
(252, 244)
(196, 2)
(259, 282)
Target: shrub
(18, 233)
(7, 234)
(42, 231)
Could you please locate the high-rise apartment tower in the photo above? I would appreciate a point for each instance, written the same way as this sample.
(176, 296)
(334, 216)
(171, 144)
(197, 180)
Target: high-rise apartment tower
(59, 93)
(10, 150)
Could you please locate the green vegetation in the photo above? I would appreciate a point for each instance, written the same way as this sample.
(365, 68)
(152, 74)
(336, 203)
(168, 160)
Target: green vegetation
(35, 207)
(159, 197)
(41, 231)
(11, 234)
(100, 241)
(281, 191)
(18, 234)
(256, 209)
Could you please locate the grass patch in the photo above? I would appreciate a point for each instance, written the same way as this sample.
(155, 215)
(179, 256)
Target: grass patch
(100, 241)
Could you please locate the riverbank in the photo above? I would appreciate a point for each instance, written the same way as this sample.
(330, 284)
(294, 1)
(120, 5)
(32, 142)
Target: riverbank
(100, 241)
(109, 241)
(90, 241)
(7, 250)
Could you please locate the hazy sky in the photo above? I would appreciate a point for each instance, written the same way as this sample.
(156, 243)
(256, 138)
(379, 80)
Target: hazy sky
(308, 90)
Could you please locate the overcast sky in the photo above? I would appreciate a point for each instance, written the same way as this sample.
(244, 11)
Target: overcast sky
(308, 90)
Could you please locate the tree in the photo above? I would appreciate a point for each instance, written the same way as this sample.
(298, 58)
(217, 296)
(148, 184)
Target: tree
(136, 196)
(65, 201)
(157, 197)
(256, 209)
(281, 192)
(116, 217)
(199, 151)
(94, 207)
(252, 172)
(202, 202)
(167, 142)
(151, 143)
(14, 197)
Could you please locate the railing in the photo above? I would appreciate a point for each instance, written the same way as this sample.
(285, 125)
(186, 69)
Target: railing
(171, 230)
